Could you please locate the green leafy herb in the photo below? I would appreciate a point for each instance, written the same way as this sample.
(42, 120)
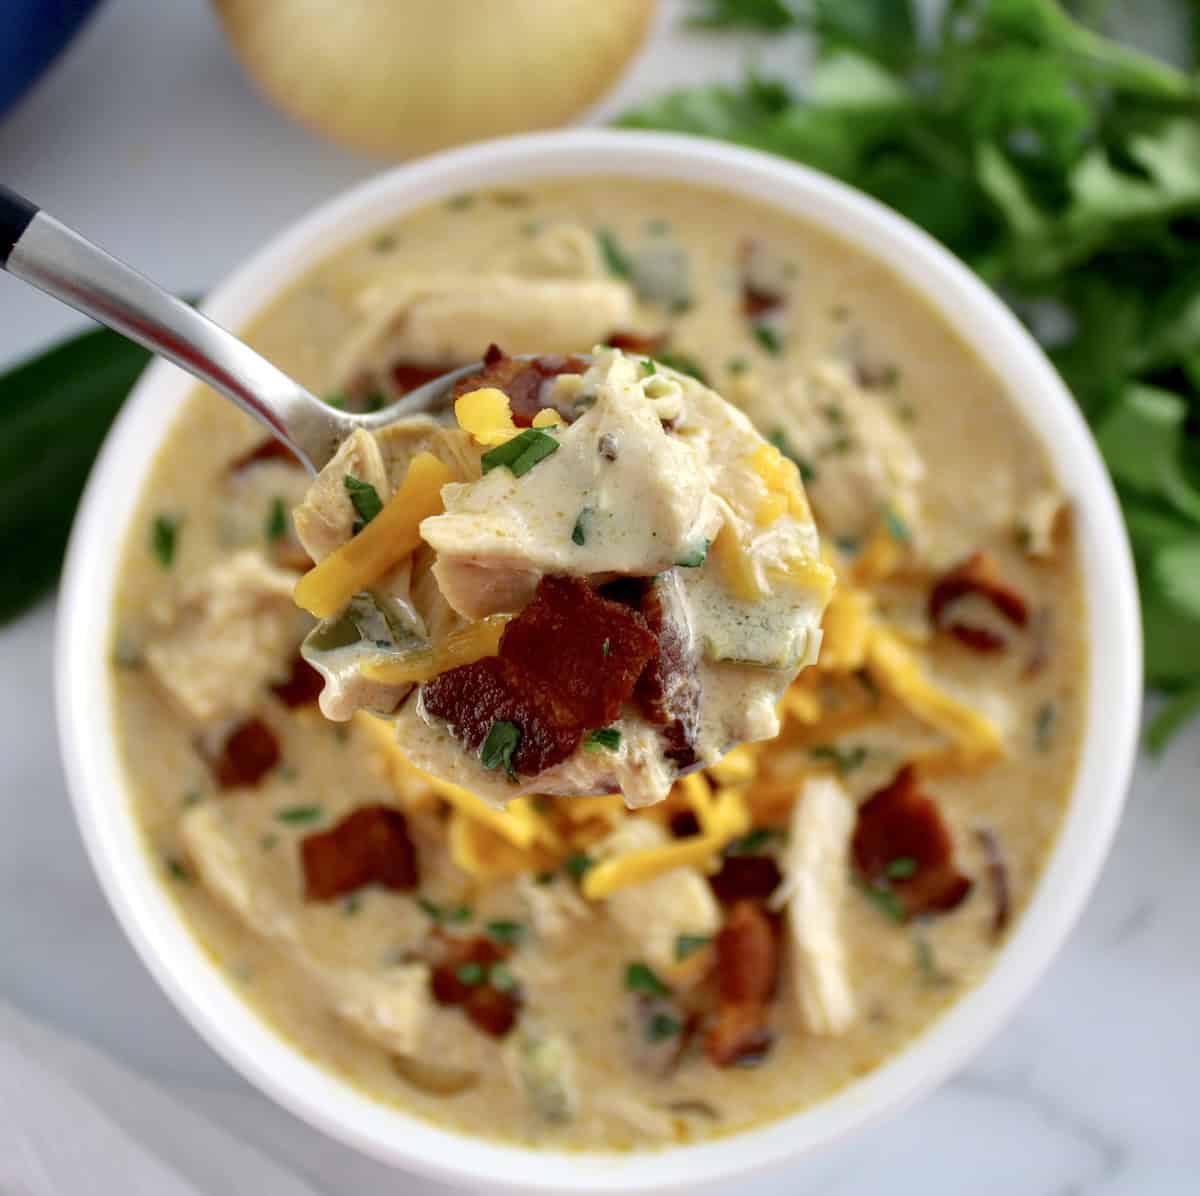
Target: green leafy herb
(521, 453)
(193, 797)
(365, 499)
(577, 865)
(501, 978)
(164, 534)
(901, 868)
(544, 878)
(648, 367)
(606, 646)
(268, 841)
(1044, 720)
(579, 532)
(768, 338)
(662, 1026)
(695, 558)
(684, 364)
(605, 739)
(276, 525)
(459, 203)
(927, 964)
(896, 527)
(449, 915)
(384, 243)
(352, 904)
(497, 750)
(300, 815)
(511, 933)
(1063, 167)
(614, 257)
(844, 759)
(177, 870)
(887, 902)
(686, 945)
(640, 978)
(737, 365)
(470, 973)
(680, 305)
(754, 842)
(779, 439)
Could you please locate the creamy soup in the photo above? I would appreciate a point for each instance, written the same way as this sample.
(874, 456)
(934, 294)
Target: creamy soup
(568, 972)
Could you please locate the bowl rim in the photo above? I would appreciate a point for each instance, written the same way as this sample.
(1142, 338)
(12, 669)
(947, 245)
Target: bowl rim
(193, 981)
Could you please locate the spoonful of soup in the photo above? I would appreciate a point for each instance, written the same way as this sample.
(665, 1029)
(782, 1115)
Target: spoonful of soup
(595, 577)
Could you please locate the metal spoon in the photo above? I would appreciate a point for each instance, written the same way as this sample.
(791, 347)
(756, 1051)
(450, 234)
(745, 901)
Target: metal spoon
(46, 254)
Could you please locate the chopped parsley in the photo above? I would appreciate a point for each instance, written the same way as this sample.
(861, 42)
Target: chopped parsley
(577, 865)
(177, 870)
(450, 915)
(459, 203)
(521, 453)
(648, 367)
(544, 878)
(927, 963)
(901, 868)
(579, 532)
(768, 338)
(365, 499)
(384, 243)
(883, 899)
(680, 306)
(779, 439)
(605, 739)
(193, 797)
(1043, 726)
(300, 815)
(615, 260)
(352, 904)
(662, 1026)
(471, 974)
(501, 979)
(606, 647)
(276, 526)
(896, 527)
(845, 760)
(754, 842)
(737, 365)
(889, 376)
(164, 533)
(850, 545)
(686, 945)
(641, 978)
(497, 750)
(268, 841)
(695, 558)
(508, 932)
(683, 364)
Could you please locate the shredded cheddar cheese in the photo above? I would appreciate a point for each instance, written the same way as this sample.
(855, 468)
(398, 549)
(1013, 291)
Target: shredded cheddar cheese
(636, 867)
(737, 569)
(547, 418)
(486, 414)
(463, 646)
(381, 545)
(847, 630)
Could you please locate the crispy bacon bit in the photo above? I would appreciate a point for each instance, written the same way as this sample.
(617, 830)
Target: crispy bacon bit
(637, 342)
(980, 575)
(525, 382)
(303, 685)
(409, 375)
(747, 949)
(668, 691)
(757, 300)
(268, 450)
(492, 1010)
(746, 876)
(898, 823)
(246, 755)
(997, 874)
(552, 696)
(369, 846)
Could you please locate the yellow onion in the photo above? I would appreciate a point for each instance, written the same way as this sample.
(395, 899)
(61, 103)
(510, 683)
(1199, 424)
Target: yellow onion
(401, 77)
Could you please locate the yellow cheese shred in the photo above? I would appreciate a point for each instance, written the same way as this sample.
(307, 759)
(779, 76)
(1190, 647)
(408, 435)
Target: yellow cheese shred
(486, 856)
(547, 418)
(391, 536)
(847, 631)
(636, 867)
(463, 646)
(737, 570)
(486, 414)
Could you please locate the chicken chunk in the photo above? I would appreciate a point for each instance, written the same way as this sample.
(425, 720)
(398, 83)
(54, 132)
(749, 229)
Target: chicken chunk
(226, 635)
(555, 909)
(326, 518)
(542, 1066)
(816, 869)
(655, 913)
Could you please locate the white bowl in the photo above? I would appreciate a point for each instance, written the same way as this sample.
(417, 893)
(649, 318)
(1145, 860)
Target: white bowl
(202, 992)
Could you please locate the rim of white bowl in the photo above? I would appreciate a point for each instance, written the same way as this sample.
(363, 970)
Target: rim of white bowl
(202, 993)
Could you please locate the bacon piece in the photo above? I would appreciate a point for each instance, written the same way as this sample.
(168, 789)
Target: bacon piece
(492, 1010)
(900, 823)
(267, 450)
(756, 300)
(746, 876)
(246, 755)
(997, 874)
(369, 846)
(303, 685)
(747, 950)
(409, 375)
(980, 575)
(684, 824)
(525, 382)
(637, 342)
(552, 679)
(668, 691)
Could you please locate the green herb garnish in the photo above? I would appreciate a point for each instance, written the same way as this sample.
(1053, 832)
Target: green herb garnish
(640, 978)
(901, 868)
(276, 525)
(365, 499)
(686, 945)
(544, 878)
(605, 647)
(578, 532)
(754, 842)
(177, 870)
(614, 257)
(450, 915)
(508, 932)
(1044, 720)
(927, 963)
(684, 364)
(577, 865)
(768, 338)
(737, 365)
(896, 527)
(501, 978)
(497, 750)
(521, 453)
(352, 904)
(884, 900)
(164, 533)
(300, 815)
(662, 1026)
(607, 739)
(845, 760)
(470, 973)
(193, 797)
(268, 841)
(695, 558)
(459, 203)
(648, 367)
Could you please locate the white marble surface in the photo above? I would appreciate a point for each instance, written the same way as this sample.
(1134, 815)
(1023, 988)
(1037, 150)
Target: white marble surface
(147, 137)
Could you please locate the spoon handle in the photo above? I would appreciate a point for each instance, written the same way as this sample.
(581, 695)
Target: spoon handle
(39, 250)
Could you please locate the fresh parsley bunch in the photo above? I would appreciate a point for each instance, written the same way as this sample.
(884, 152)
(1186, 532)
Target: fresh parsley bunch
(1064, 167)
